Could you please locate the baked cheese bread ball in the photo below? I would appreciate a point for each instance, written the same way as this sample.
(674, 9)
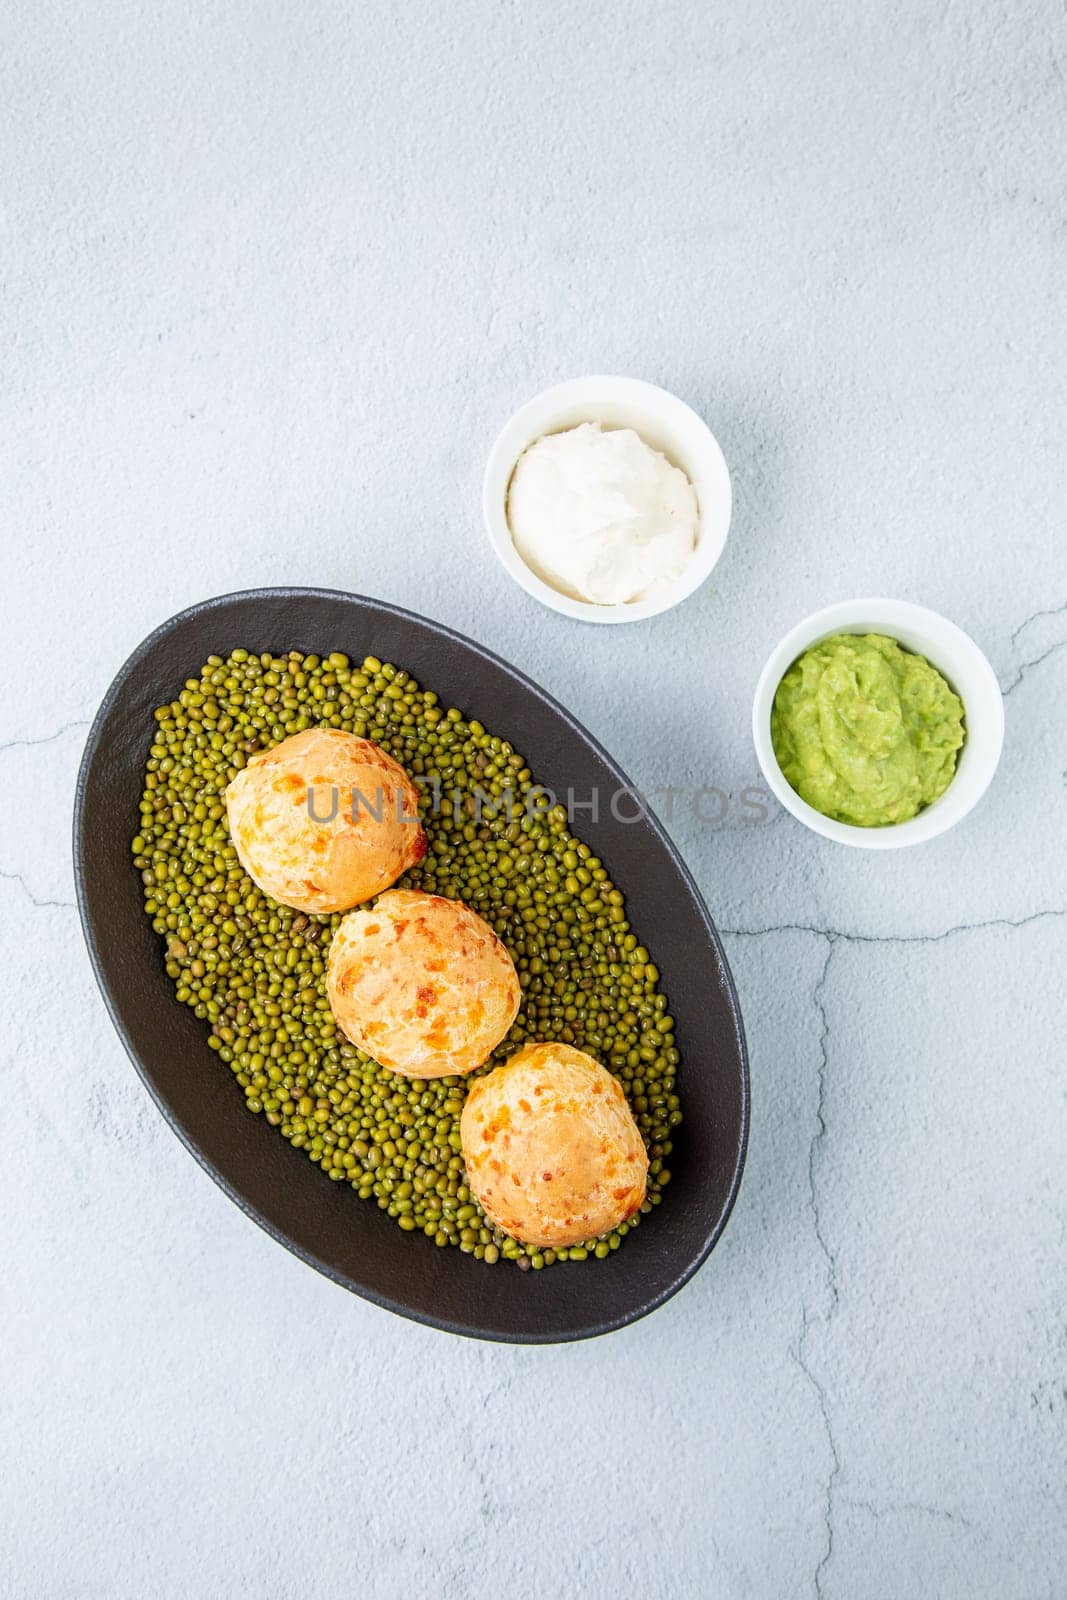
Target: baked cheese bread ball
(552, 1150)
(422, 984)
(356, 842)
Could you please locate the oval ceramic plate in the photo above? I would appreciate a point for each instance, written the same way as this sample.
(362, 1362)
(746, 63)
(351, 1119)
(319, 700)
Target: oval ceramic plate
(325, 1223)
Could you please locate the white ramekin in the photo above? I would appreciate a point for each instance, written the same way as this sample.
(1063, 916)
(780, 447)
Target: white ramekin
(954, 654)
(663, 421)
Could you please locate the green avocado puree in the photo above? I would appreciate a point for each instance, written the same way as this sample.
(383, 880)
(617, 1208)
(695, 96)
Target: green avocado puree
(864, 731)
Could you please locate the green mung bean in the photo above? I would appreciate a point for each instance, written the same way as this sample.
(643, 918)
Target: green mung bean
(255, 970)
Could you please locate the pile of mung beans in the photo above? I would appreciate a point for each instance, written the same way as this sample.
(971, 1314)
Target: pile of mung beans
(255, 970)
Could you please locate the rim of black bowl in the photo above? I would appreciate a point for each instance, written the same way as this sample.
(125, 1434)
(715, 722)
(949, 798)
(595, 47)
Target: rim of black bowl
(649, 1268)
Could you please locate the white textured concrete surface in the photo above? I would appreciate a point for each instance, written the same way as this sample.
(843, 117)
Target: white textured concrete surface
(273, 275)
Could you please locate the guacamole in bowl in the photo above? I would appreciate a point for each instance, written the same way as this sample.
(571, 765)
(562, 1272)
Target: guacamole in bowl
(866, 732)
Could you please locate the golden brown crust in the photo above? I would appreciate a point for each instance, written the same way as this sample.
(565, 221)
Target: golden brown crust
(553, 1153)
(328, 865)
(422, 984)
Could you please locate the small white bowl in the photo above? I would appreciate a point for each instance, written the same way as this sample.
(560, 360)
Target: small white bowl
(664, 422)
(954, 654)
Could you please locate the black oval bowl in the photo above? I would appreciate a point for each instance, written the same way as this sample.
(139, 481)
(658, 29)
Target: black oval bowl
(325, 1223)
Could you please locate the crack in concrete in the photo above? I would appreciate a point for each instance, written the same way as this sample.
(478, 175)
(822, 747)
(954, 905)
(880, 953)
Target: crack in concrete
(799, 1352)
(800, 1355)
(48, 738)
(16, 877)
(1026, 667)
(893, 938)
(1049, 611)
(818, 1138)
